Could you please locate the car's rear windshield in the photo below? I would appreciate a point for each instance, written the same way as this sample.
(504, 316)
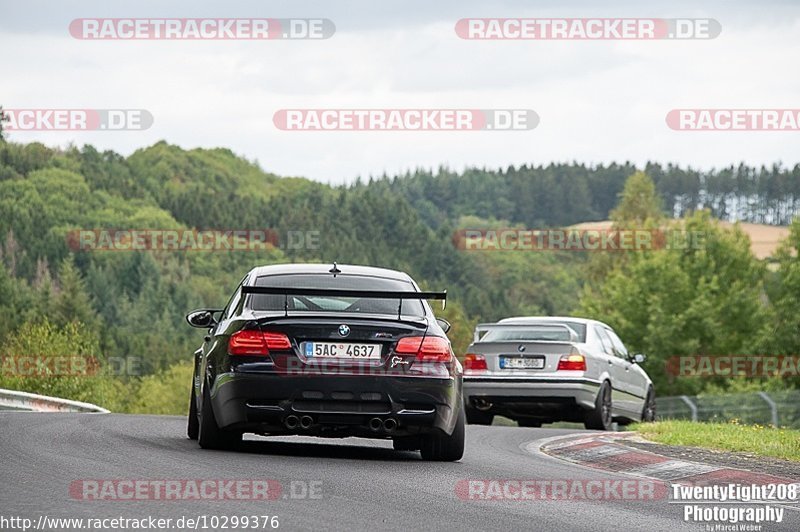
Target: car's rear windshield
(544, 332)
(356, 305)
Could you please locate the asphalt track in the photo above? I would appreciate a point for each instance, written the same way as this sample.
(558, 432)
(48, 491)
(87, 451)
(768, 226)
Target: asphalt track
(360, 484)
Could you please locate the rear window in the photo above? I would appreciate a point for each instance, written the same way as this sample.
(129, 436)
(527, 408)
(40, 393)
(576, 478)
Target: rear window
(350, 305)
(543, 332)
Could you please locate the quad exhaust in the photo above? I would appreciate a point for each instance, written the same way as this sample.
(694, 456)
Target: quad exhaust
(375, 424)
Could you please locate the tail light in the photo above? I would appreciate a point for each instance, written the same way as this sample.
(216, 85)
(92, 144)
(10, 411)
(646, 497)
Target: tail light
(573, 362)
(425, 348)
(255, 342)
(475, 363)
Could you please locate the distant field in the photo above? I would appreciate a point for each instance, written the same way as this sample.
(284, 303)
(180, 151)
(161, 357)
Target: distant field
(764, 239)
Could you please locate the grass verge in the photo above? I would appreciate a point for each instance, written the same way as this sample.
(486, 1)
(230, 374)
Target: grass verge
(756, 439)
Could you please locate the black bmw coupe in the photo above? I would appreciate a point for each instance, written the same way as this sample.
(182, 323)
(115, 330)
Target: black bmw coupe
(337, 351)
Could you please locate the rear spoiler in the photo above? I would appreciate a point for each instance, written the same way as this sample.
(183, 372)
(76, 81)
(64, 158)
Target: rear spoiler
(338, 292)
(485, 327)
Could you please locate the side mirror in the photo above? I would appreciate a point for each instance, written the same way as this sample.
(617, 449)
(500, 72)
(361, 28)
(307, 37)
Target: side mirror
(444, 324)
(202, 319)
(639, 358)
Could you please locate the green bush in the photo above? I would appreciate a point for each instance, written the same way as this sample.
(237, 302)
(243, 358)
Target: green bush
(166, 392)
(60, 362)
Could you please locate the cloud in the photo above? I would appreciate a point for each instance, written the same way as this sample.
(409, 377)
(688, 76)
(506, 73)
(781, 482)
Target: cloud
(598, 101)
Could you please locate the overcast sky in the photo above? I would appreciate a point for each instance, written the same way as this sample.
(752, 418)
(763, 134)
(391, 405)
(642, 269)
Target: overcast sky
(598, 101)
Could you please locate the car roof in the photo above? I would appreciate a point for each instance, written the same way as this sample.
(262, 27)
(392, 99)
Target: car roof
(346, 269)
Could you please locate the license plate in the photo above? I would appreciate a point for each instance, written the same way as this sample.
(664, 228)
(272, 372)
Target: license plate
(521, 363)
(335, 350)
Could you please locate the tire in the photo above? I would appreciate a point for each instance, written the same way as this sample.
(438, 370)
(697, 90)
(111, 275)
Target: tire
(649, 410)
(210, 436)
(534, 423)
(406, 443)
(476, 417)
(192, 425)
(439, 447)
(600, 418)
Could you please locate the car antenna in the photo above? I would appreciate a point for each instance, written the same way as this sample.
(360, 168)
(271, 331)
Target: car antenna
(334, 270)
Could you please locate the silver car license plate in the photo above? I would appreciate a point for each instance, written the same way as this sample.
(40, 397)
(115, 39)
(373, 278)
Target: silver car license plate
(521, 363)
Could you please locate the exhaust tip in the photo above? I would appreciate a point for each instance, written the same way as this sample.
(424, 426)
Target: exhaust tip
(291, 422)
(375, 424)
(306, 422)
(390, 424)
(482, 404)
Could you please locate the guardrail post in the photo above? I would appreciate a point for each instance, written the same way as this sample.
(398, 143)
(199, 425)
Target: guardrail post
(691, 405)
(772, 406)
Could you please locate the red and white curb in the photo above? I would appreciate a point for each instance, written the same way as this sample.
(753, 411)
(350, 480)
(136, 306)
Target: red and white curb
(608, 452)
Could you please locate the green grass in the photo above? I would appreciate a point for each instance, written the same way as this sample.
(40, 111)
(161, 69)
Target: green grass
(756, 439)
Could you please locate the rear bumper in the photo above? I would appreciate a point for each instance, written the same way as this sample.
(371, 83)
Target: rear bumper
(544, 392)
(338, 405)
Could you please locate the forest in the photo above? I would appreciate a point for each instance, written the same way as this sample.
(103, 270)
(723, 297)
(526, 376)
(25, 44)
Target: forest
(125, 309)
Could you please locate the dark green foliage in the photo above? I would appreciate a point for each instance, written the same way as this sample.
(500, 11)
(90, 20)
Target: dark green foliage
(131, 304)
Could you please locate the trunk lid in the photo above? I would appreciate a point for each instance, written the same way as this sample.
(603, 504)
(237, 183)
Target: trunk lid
(339, 345)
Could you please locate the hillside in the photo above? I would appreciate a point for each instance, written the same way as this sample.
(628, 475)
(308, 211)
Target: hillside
(126, 305)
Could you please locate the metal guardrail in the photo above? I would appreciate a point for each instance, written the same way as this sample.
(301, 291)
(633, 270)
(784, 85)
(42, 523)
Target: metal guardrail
(31, 402)
(781, 409)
